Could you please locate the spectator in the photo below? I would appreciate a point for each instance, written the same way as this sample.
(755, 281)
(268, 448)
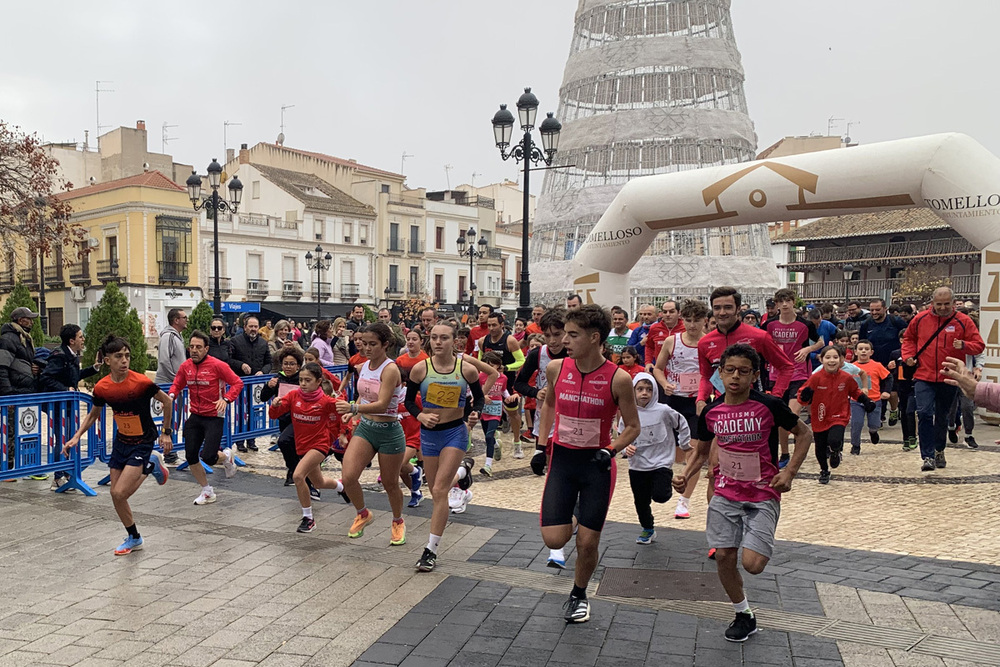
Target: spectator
(251, 351)
(573, 302)
(934, 335)
(983, 394)
(647, 315)
(536, 317)
(280, 337)
(322, 340)
(856, 316)
(355, 322)
(481, 329)
(340, 343)
(664, 328)
(882, 330)
(17, 367)
(266, 332)
(170, 353)
(219, 346)
(398, 341)
(295, 332)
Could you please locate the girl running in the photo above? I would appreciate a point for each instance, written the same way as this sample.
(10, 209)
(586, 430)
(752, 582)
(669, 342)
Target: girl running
(316, 424)
(442, 382)
(132, 456)
(289, 360)
(413, 353)
(630, 362)
(378, 431)
(410, 473)
(496, 393)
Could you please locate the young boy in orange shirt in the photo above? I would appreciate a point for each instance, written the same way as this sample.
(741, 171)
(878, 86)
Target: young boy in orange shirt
(877, 374)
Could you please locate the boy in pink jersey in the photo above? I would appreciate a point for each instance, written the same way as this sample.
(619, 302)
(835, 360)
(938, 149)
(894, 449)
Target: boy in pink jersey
(748, 483)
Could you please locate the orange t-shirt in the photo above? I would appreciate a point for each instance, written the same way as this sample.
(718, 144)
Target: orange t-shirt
(876, 373)
(532, 328)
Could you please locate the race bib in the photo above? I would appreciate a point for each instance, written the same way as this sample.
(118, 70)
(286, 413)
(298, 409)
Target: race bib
(443, 395)
(716, 381)
(129, 425)
(687, 383)
(493, 409)
(741, 466)
(368, 389)
(284, 388)
(580, 432)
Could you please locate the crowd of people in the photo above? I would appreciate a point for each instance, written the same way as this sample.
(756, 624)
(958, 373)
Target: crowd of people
(582, 387)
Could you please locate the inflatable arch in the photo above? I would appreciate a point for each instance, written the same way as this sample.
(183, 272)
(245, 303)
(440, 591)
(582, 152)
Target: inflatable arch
(951, 174)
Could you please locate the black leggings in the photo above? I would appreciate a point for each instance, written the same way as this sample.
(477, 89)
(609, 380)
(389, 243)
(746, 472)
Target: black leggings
(286, 445)
(649, 485)
(907, 408)
(204, 434)
(831, 440)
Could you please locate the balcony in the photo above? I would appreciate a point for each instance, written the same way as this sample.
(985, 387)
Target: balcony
(833, 290)
(254, 219)
(395, 247)
(29, 277)
(54, 277)
(107, 270)
(291, 289)
(494, 253)
(395, 290)
(281, 223)
(6, 280)
(416, 247)
(79, 273)
(225, 286)
(413, 289)
(405, 201)
(440, 296)
(508, 285)
(350, 291)
(174, 272)
(875, 254)
(325, 291)
(257, 288)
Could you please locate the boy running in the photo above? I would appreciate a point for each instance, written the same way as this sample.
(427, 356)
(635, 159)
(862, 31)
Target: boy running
(876, 376)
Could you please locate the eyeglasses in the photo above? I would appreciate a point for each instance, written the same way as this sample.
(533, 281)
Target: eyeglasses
(217, 328)
(742, 371)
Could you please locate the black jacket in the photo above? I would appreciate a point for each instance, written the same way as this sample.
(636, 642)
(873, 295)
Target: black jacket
(63, 371)
(256, 354)
(267, 393)
(223, 351)
(16, 355)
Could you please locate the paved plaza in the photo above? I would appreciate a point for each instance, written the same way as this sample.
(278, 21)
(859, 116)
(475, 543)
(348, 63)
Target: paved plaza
(883, 567)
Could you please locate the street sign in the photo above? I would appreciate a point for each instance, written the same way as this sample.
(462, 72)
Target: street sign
(240, 307)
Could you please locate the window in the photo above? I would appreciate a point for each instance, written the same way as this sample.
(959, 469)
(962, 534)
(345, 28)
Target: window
(363, 234)
(439, 294)
(414, 238)
(348, 232)
(84, 317)
(173, 248)
(255, 189)
(462, 296)
(288, 266)
(113, 249)
(385, 188)
(346, 273)
(394, 236)
(393, 278)
(254, 262)
(439, 238)
(414, 279)
(318, 225)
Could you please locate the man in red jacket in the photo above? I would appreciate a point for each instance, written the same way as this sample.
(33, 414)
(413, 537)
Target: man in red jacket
(206, 378)
(932, 336)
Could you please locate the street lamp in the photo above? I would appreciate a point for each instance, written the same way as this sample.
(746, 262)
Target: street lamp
(848, 275)
(214, 204)
(319, 264)
(467, 248)
(526, 151)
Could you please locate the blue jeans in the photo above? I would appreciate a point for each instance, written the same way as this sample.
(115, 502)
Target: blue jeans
(858, 417)
(934, 401)
(490, 431)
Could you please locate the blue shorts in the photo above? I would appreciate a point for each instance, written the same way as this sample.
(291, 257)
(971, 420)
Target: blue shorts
(433, 441)
(130, 455)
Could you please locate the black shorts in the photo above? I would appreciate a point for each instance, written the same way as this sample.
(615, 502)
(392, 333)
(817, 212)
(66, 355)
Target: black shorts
(130, 455)
(792, 391)
(203, 434)
(687, 406)
(574, 477)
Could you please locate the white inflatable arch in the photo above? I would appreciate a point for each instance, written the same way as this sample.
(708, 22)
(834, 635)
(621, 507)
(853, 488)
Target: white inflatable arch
(951, 174)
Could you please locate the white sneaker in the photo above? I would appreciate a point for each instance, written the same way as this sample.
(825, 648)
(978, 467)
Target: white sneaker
(205, 498)
(465, 498)
(518, 451)
(229, 465)
(455, 497)
(682, 511)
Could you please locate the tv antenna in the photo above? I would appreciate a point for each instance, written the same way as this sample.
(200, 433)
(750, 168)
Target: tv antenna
(281, 134)
(447, 174)
(225, 132)
(829, 125)
(164, 138)
(97, 93)
(402, 162)
(474, 174)
(847, 138)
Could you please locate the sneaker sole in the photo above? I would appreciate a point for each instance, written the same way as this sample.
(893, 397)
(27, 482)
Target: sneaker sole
(371, 517)
(425, 568)
(399, 543)
(739, 641)
(207, 502)
(128, 551)
(307, 530)
(555, 566)
(579, 620)
(680, 517)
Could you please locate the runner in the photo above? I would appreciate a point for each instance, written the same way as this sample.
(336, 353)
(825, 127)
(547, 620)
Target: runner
(378, 432)
(630, 361)
(132, 456)
(413, 353)
(661, 330)
(877, 374)
(587, 391)
(828, 392)
(442, 382)
(903, 382)
(677, 374)
(206, 378)
(745, 508)
(315, 424)
(496, 394)
(651, 456)
(410, 473)
(509, 350)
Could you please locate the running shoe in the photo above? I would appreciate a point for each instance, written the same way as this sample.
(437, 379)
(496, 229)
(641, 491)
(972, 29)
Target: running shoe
(229, 465)
(683, 510)
(358, 527)
(129, 545)
(415, 480)
(783, 461)
(893, 417)
(927, 465)
(463, 502)
(874, 437)
(577, 610)
(486, 470)
(288, 479)
(538, 462)
(427, 561)
(415, 499)
(971, 443)
(856, 450)
(160, 472)
(518, 451)
(646, 536)
(455, 496)
(835, 458)
(711, 553)
(205, 498)
(556, 561)
(527, 437)
(910, 444)
(939, 461)
(343, 494)
(314, 492)
(742, 627)
(824, 476)
(466, 481)
(497, 452)
(306, 526)
(398, 531)
(953, 435)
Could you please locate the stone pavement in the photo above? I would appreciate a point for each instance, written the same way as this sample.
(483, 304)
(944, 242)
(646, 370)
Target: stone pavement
(232, 584)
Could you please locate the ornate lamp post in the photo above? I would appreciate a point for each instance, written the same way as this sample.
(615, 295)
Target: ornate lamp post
(848, 275)
(213, 204)
(319, 264)
(467, 248)
(526, 151)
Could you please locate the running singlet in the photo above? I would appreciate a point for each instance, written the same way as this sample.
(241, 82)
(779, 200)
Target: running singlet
(130, 402)
(585, 406)
(542, 379)
(369, 383)
(500, 347)
(444, 390)
(682, 369)
(747, 438)
(791, 338)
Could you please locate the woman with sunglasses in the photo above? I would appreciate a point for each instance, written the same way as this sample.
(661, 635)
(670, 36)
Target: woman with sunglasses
(220, 347)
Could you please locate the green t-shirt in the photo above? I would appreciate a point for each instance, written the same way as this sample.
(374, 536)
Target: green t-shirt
(618, 343)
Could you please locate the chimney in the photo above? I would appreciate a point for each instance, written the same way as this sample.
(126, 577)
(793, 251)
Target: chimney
(244, 154)
(140, 125)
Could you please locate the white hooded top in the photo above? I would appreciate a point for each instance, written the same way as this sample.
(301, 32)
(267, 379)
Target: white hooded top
(661, 428)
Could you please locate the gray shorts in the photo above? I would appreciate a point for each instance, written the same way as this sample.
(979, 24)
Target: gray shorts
(731, 524)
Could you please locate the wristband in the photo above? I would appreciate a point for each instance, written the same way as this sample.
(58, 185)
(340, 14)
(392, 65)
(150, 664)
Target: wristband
(354, 408)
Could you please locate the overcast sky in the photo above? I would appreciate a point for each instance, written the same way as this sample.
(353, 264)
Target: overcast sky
(372, 79)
